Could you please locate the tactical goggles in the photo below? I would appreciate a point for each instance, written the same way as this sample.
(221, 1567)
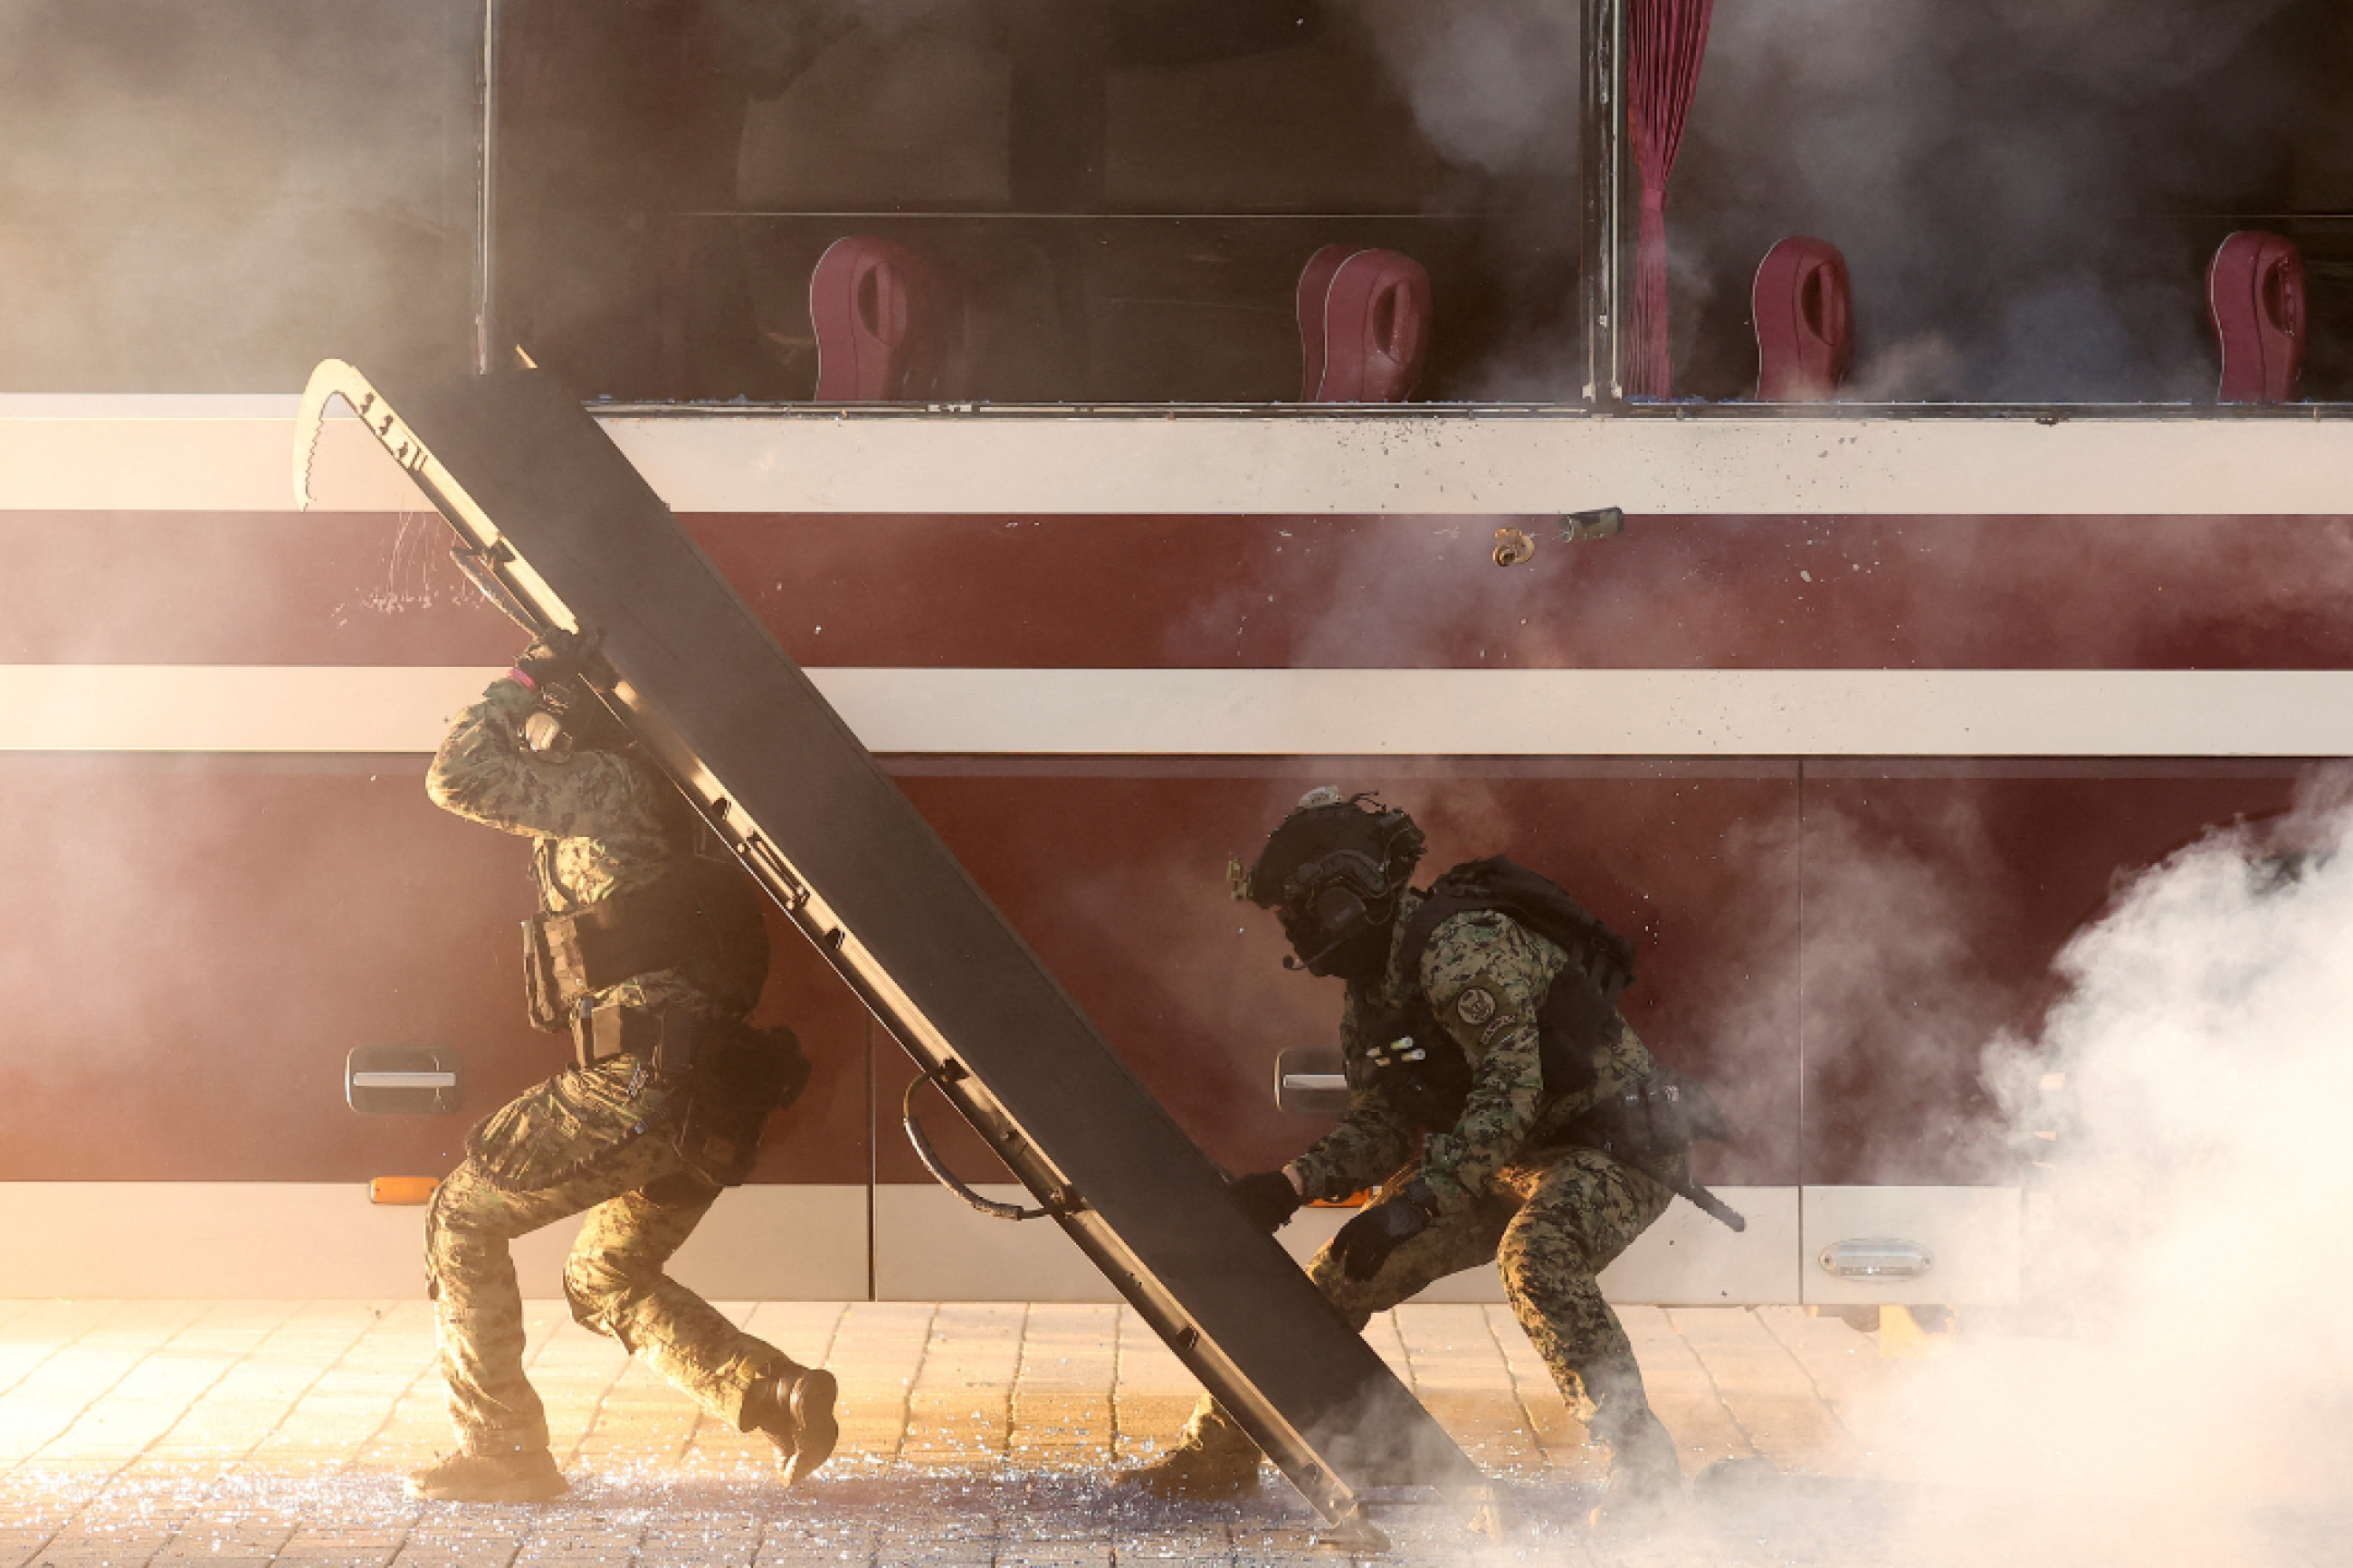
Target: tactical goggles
(1330, 901)
(1351, 868)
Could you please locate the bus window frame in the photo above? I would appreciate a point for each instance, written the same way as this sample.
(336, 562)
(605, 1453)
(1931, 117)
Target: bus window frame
(1606, 177)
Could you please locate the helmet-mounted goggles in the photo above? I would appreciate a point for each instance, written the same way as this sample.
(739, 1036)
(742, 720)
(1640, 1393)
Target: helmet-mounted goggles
(1331, 900)
(1357, 858)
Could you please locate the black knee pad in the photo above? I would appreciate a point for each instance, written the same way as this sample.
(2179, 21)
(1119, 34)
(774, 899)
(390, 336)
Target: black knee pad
(679, 1190)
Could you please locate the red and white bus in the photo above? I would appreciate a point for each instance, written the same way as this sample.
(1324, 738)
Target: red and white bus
(1868, 708)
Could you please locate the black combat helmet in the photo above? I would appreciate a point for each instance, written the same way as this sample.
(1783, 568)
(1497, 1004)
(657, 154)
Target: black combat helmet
(1332, 871)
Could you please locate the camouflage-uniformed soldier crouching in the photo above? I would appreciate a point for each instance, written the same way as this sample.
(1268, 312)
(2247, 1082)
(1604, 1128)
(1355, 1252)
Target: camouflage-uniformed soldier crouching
(1491, 1082)
(651, 958)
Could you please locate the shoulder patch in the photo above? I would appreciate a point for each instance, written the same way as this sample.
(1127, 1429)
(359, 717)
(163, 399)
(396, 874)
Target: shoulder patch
(1474, 1005)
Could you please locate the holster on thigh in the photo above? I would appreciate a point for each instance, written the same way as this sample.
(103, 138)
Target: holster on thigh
(738, 1077)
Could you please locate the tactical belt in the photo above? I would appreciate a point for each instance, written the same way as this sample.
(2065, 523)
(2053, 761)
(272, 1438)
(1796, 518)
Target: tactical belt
(1650, 1126)
(745, 1073)
(663, 1040)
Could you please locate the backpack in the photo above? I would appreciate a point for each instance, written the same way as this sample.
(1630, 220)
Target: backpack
(1536, 902)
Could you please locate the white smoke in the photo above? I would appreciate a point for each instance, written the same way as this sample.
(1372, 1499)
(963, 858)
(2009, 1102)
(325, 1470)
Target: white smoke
(2184, 1394)
(1494, 83)
(212, 198)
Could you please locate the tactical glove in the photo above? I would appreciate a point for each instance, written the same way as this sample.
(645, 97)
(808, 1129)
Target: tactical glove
(1268, 1197)
(1366, 1242)
(556, 657)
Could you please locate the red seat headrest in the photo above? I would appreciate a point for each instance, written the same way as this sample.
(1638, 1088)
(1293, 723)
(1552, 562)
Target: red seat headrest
(2255, 287)
(878, 310)
(1804, 311)
(1363, 325)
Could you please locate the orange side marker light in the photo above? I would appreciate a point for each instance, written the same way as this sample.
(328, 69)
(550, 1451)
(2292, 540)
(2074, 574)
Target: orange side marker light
(402, 1189)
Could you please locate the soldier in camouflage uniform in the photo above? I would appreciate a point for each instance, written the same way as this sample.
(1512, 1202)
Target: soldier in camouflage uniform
(661, 1108)
(1497, 1171)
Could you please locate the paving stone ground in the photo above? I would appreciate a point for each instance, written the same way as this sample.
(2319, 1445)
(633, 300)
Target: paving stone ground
(244, 1433)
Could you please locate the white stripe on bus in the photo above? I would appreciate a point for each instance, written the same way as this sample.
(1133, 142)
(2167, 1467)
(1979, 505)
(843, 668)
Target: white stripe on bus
(174, 453)
(1278, 712)
(918, 1242)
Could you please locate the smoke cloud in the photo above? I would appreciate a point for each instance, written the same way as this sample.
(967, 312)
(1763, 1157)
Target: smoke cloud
(212, 199)
(1959, 593)
(2188, 1396)
(1494, 83)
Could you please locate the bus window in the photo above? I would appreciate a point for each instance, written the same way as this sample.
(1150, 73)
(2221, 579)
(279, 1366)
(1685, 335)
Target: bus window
(2027, 198)
(1119, 194)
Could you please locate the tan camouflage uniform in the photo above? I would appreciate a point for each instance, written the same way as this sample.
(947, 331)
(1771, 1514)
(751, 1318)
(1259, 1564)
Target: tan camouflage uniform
(1552, 1218)
(595, 1139)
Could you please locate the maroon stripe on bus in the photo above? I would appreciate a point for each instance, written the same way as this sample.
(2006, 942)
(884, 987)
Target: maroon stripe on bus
(1931, 593)
(194, 942)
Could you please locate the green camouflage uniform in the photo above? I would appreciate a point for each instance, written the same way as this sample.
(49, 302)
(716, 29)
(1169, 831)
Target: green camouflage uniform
(595, 1139)
(1552, 1217)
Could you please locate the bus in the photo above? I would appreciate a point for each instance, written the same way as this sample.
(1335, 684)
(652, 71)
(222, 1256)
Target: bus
(978, 344)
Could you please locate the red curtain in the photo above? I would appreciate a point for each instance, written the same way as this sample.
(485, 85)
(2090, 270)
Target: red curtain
(1664, 41)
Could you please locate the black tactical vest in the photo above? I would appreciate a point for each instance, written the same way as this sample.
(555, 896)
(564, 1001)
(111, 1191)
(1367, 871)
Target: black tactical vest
(702, 918)
(1648, 1126)
(1431, 1075)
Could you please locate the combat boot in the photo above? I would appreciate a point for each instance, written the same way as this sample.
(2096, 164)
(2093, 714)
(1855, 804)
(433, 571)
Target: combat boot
(1646, 1480)
(528, 1477)
(1214, 1460)
(794, 1409)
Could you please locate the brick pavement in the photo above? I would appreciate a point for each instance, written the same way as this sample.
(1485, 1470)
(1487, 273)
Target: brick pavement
(164, 1434)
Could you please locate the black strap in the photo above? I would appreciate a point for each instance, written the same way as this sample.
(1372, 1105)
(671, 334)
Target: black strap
(659, 926)
(600, 1034)
(938, 1167)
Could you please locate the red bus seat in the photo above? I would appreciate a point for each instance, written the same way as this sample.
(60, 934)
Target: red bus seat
(1314, 282)
(2254, 289)
(1363, 325)
(1804, 311)
(879, 311)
